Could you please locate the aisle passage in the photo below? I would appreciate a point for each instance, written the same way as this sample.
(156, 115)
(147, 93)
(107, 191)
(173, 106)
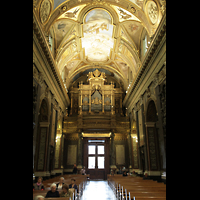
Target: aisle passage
(98, 190)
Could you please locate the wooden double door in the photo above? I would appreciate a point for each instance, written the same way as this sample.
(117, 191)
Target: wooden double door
(96, 157)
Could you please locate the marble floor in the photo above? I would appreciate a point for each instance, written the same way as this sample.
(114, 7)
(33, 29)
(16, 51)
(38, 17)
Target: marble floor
(98, 190)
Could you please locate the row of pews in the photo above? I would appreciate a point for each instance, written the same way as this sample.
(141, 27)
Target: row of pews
(136, 188)
(80, 182)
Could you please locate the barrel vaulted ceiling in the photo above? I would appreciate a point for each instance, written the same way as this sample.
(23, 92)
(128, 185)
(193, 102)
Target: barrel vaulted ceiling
(104, 34)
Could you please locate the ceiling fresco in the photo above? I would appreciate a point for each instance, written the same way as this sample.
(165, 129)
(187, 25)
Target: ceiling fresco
(97, 35)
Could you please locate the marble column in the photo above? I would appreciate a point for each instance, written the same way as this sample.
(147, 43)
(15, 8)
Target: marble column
(90, 101)
(80, 150)
(129, 140)
(160, 129)
(102, 101)
(112, 157)
(130, 150)
(72, 96)
(35, 125)
(140, 171)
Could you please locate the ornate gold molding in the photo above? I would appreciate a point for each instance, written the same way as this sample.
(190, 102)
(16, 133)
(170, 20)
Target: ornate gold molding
(38, 32)
(160, 33)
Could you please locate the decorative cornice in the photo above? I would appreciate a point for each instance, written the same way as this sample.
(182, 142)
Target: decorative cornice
(37, 30)
(160, 32)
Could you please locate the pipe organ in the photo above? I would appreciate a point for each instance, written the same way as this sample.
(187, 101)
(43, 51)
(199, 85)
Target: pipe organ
(96, 97)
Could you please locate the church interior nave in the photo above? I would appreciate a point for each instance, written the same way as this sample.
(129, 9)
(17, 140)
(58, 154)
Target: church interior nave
(99, 88)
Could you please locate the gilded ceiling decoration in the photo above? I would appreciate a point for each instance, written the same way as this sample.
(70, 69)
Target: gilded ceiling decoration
(105, 34)
(45, 9)
(152, 11)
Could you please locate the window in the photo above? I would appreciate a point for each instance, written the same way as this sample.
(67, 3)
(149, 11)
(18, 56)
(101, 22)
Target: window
(100, 162)
(91, 162)
(91, 149)
(96, 154)
(100, 149)
(90, 141)
(144, 45)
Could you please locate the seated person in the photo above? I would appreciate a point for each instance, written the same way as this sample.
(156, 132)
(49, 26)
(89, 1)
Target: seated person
(39, 185)
(74, 169)
(73, 185)
(83, 171)
(60, 184)
(133, 174)
(124, 173)
(39, 197)
(53, 192)
(120, 171)
(66, 192)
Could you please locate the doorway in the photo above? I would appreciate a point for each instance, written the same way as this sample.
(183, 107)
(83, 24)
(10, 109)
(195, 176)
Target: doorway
(96, 157)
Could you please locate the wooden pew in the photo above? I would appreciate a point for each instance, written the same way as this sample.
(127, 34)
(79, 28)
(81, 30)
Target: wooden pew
(44, 192)
(139, 188)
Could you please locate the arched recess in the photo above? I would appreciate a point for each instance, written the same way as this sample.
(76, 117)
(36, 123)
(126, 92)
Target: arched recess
(43, 117)
(85, 67)
(109, 9)
(151, 114)
(152, 139)
(42, 137)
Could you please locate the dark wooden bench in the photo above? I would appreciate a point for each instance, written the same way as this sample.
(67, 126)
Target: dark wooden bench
(139, 188)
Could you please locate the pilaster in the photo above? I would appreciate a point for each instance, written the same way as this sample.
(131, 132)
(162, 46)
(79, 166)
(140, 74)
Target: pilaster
(112, 162)
(130, 150)
(80, 150)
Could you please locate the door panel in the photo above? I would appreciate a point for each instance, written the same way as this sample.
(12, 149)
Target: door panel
(101, 162)
(91, 162)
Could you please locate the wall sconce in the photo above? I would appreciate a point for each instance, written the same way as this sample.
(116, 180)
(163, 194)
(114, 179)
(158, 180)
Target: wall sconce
(57, 137)
(135, 138)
